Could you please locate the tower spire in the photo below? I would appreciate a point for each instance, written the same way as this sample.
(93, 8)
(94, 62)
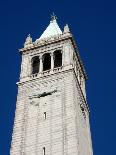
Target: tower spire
(53, 29)
(53, 17)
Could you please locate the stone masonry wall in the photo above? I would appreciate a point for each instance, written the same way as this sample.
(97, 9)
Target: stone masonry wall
(57, 133)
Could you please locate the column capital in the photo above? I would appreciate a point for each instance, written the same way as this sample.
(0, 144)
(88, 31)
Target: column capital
(52, 53)
(40, 56)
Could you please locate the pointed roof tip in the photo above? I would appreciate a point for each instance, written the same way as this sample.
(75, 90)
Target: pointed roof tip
(52, 30)
(53, 17)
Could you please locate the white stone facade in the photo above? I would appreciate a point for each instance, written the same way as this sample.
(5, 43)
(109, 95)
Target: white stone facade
(52, 116)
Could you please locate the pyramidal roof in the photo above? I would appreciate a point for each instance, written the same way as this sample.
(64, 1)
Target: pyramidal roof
(52, 29)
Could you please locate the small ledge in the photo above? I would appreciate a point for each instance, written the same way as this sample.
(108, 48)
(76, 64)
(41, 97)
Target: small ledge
(45, 73)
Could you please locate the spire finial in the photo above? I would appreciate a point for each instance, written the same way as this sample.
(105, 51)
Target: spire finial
(66, 29)
(28, 41)
(29, 35)
(53, 17)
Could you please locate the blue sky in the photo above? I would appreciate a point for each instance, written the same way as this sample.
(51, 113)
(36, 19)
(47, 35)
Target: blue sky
(93, 24)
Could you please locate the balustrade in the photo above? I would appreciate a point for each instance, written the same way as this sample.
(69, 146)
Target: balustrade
(43, 70)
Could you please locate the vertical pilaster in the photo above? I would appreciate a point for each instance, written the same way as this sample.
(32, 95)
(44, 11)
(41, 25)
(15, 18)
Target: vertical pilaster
(66, 54)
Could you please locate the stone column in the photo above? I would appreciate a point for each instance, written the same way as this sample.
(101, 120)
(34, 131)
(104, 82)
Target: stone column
(41, 64)
(52, 61)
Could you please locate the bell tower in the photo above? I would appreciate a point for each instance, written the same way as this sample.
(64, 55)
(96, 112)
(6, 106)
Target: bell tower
(52, 115)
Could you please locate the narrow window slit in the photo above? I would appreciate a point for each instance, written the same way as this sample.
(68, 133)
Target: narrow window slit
(44, 115)
(44, 151)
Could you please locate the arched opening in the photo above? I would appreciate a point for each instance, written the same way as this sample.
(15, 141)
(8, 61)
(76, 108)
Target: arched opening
(46, 62)
(35, 65)
(58, 58)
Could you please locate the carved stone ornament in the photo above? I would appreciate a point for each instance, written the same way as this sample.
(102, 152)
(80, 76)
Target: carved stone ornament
(28, 41)
(66, 29)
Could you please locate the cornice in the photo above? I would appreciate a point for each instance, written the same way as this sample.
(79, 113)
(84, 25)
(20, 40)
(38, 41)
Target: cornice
(46, 42)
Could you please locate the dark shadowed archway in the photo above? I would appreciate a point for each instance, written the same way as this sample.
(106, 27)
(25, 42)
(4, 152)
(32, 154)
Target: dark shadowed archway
(35, 65)
(58, 58)
(46, 61)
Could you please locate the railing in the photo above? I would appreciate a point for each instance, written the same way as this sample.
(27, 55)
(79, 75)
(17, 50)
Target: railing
(57, 69)
(47, 72)
(34, 75)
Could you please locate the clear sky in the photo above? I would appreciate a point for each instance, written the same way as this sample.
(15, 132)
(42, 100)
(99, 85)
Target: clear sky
(93, 24)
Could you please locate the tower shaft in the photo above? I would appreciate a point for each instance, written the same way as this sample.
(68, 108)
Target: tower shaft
(52, 116)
